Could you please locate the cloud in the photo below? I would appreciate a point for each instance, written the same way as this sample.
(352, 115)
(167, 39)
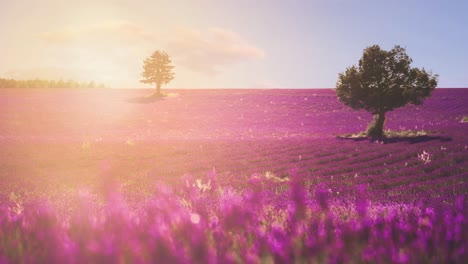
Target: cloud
(109, 52)
(208, 52)
(113, 30)
(112, 52)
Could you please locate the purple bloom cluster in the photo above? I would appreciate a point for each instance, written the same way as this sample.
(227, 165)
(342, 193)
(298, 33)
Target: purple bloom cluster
(204, 222)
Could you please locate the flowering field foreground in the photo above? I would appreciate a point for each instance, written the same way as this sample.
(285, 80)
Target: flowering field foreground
(88, 177)
(203, 222)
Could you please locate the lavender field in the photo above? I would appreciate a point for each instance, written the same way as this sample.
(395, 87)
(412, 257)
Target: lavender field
(229, 176)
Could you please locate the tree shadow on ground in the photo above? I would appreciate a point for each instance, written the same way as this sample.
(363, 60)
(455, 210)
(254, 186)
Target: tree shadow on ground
(145, 99)
(409, 139)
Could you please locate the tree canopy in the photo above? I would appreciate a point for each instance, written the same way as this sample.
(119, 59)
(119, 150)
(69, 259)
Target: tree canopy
(157, 69)
(382, 81)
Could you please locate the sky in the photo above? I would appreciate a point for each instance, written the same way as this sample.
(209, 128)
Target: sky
(227, 44)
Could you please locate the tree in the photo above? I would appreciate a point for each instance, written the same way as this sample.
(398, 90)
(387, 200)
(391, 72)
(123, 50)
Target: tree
(383, 81)
(157, 69)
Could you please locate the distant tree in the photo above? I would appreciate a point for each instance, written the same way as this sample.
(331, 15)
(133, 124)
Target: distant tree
(39, 83)
(91, 84)
(68, 84)
(157, 69)
(52, 84)
(60, 84)
(383, 81)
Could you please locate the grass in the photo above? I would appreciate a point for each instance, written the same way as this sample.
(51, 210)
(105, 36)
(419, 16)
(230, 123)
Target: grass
(162, 95)
(151, 98)
(390, 134)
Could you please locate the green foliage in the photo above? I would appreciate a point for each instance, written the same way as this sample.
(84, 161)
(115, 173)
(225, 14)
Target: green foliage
(382, 81)
(39, 83)
(157, 69)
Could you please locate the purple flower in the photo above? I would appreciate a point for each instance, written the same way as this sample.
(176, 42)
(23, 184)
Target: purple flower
(321, 195)
(361, 200)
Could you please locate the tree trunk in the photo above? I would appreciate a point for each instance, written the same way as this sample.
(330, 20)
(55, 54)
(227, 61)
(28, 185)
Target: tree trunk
(380, 122)
(376, 128)
(158, 89)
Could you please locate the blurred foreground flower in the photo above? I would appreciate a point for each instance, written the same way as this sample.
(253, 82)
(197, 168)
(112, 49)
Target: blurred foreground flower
(199, 224)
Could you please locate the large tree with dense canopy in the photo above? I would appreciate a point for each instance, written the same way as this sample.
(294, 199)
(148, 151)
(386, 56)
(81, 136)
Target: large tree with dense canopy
(382, 81)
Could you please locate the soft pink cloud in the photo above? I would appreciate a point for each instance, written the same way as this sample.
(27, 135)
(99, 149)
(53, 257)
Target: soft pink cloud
(112, 52)
(208, 52)
(109, 52)
(108, 31)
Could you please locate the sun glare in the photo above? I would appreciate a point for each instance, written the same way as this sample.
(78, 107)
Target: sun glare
(109, 68)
